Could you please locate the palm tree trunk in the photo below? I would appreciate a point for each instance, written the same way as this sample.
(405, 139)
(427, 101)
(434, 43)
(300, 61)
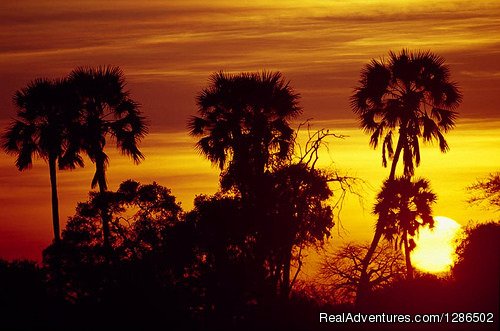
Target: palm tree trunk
(101, 180)
(364, 281)
(409, 267)
(55, 201)
(397, 153)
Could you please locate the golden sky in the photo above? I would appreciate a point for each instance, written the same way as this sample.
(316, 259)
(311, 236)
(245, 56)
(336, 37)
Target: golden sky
(169, 48)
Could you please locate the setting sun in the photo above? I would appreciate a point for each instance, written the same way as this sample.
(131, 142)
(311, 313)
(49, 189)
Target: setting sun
(436, 247)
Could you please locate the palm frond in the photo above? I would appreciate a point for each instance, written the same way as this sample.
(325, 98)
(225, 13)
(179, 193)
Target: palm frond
(376, 135)
(197, 125)
(446, 118)
(387, 146)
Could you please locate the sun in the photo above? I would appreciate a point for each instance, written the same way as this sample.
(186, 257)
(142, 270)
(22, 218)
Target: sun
(435, 247)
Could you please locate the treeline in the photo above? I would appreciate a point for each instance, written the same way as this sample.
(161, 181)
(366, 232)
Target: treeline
(184, 274)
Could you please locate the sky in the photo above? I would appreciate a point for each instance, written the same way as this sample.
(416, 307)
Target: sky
(168, 49)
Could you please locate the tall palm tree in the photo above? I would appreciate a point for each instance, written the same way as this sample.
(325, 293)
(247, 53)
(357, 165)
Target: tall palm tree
(408, 96)
(244, 124)
(46, 110)
(106, 109)
(402, 207)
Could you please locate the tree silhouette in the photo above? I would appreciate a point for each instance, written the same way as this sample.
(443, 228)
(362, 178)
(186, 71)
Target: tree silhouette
(244, 129)
(477, 268)
(402, 207)
(106, 109)
(141, 225)
(229, 275)
(244, 125)
(46, 112)
(298, 216)
(147, 277)
(410, 96)
(244, 264)
(341, 271)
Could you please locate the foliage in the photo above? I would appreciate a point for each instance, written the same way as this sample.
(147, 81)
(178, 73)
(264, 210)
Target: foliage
(58, 119)
(45, 112)
(46, 116)
(246, 255)
(409, 94)
(244, 124)
(299, 202)
(477, 267)
(226, 278)
(424, 293)
(297, 215)
(244, 129)
(143, 218)
(407, 205)
(402, 207)
(105, 108)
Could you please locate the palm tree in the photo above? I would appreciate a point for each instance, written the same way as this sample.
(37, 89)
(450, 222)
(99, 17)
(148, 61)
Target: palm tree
(244, 124)
(402, 207)
(46, 110)
(409, 96)
(106, 109)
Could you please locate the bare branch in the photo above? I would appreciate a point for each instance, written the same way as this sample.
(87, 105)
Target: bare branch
(486, 192)
(341, 271)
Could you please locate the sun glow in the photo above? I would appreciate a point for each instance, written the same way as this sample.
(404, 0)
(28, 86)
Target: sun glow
(435, 247)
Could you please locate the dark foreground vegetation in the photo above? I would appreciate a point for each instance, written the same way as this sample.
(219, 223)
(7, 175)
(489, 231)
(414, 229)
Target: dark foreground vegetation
(176, 277)
(134, 259)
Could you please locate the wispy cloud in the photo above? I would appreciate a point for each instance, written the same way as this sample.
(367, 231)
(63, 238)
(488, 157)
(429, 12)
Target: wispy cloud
(320, 45)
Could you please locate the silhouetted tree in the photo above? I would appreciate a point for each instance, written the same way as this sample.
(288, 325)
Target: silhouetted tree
(106, 109)
(229, 279)
(277, 203)
(244, 129)
(141, 225)
(341, 270)
(409, 95)
(299, 216)
(245, 263)
(46, 112)
(244, 125)
(402, 207)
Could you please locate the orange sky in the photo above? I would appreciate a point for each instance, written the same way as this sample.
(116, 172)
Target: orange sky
(169, 48)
